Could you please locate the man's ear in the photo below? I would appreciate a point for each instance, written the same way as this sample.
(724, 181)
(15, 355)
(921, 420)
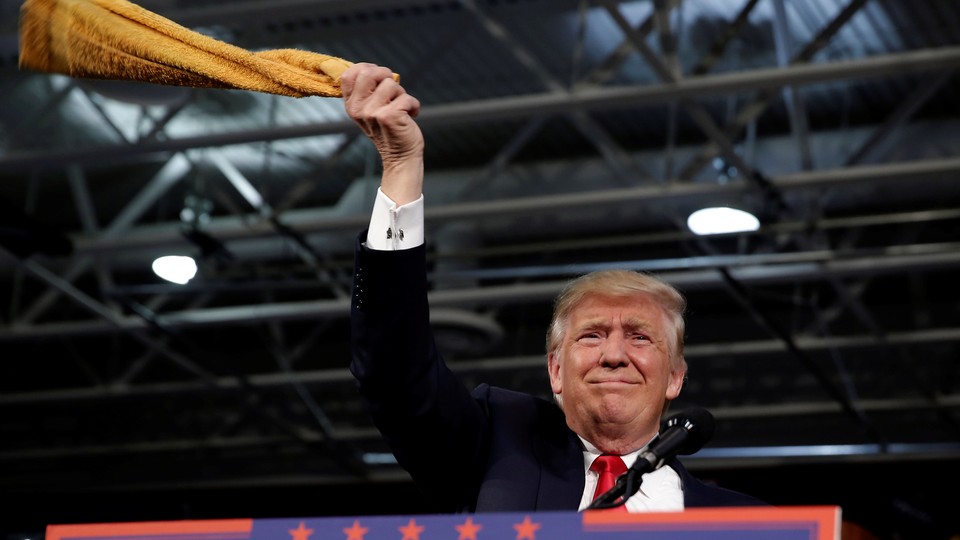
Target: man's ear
(677, 378)
(553, 369)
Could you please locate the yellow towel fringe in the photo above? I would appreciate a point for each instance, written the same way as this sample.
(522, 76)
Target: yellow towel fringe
(115, 39)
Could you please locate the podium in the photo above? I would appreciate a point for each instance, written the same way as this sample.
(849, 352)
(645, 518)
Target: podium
(741, 523)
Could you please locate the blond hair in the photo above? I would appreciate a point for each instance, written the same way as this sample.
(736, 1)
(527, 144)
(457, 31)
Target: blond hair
(621, 283)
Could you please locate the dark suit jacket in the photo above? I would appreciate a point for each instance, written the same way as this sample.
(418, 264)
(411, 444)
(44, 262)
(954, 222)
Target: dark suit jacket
(486, 450)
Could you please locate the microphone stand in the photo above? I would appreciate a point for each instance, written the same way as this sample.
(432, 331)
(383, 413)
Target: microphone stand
(627, 484)
(681, 435)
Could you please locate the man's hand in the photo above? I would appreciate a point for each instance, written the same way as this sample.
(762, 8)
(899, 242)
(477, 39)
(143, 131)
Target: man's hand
(385, 113)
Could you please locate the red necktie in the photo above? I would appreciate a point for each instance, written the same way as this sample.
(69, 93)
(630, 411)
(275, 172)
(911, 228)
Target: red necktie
(608, 467)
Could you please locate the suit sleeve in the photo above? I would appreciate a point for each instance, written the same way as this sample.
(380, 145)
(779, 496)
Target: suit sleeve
(424, 412)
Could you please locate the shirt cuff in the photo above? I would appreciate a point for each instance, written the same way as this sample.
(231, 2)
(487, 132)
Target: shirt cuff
(395, 227)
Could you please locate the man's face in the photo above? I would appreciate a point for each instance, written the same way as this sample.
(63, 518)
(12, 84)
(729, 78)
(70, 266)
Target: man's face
(612, 368)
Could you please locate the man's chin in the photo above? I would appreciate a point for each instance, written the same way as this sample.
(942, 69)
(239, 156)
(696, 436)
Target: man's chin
(617, 415)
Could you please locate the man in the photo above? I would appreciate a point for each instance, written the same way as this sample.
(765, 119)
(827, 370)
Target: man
(614, 358)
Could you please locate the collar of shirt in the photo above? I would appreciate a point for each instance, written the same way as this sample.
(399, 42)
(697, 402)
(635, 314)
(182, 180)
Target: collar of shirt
(660, 491)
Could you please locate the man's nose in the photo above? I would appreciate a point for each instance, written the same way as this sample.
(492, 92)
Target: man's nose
(614, 352)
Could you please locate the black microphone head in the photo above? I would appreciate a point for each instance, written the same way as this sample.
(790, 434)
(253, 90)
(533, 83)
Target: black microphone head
(699, 425)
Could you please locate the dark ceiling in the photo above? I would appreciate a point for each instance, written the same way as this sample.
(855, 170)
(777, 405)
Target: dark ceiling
(562, 136)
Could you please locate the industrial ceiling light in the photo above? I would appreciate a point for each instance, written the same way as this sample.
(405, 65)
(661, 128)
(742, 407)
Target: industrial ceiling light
(177, 269)
(721, 220)
(180, 269)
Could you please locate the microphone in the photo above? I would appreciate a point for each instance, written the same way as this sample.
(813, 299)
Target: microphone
(683, 433)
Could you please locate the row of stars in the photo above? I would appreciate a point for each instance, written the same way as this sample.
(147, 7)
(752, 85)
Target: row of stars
(526, 530)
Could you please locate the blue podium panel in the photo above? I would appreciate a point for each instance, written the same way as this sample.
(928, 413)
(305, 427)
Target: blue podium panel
(766, 523)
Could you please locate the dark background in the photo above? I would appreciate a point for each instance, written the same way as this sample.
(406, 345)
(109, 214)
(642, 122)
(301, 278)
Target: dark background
(562, 136)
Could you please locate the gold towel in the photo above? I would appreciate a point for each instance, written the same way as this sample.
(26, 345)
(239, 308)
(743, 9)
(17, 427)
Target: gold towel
(114, 39)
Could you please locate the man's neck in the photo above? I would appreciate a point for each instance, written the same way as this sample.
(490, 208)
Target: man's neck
(607, 442)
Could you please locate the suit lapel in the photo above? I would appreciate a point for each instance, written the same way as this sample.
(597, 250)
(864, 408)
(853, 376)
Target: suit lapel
(561, 463)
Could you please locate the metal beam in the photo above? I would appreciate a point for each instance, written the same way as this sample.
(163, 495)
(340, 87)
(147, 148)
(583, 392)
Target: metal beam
(806, 266)
(309, 221)
(485, 365)
(524, 106)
